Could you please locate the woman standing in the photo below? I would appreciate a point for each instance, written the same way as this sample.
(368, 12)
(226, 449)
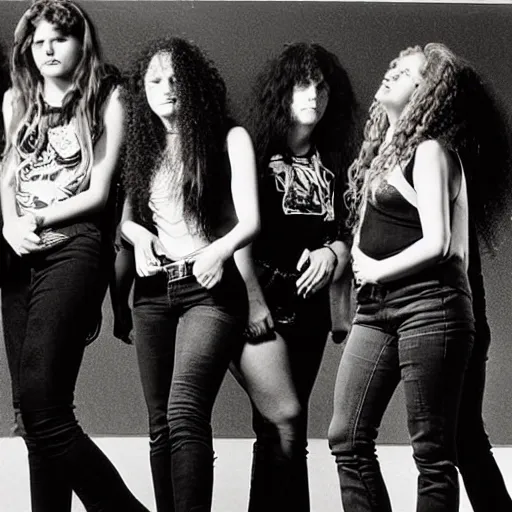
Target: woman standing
(191, 189)
(62, 117)
(303, 119)
(410, 194)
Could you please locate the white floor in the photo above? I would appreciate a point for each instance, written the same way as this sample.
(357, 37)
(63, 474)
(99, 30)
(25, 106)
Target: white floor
(232, 469)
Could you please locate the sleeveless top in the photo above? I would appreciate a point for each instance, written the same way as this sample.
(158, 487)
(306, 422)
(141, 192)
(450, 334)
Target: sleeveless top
(51, 174)
(297, 210)
(167, 209)
(391, 221)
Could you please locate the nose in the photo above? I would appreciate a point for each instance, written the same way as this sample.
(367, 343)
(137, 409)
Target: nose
(48, 48)
(167, 87)
(312, 92)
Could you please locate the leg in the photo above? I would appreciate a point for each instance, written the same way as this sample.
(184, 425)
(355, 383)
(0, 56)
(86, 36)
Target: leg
(155, 331)
(482, 477)
(434, 345)
(15, 299)
(366, 380)
(208, 334)
(305, 342)
(264, 371)
(63, 284)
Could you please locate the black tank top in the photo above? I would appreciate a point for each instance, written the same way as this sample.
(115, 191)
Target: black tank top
(390, 222)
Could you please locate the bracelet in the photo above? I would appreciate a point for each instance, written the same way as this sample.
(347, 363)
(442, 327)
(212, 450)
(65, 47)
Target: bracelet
(327, 246)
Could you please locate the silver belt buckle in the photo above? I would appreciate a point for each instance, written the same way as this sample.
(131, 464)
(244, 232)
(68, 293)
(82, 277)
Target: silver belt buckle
(178, 269)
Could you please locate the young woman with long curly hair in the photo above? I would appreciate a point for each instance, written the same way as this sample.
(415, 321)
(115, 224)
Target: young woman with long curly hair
(63, 119)
(303, 119)
(415, 189)
(190, 180)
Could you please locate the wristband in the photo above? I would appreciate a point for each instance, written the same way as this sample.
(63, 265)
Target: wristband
(327, 246)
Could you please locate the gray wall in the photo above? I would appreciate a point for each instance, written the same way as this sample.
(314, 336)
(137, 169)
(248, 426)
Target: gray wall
(240, 37)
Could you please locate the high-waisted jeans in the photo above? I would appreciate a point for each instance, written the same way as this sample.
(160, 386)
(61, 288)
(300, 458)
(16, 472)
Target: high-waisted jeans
(185, 336)
(47, 302)
(420, 333)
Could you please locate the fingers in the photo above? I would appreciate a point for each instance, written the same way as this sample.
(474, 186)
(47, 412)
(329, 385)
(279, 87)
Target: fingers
(314, 278)
(304, 257)
(208, 279)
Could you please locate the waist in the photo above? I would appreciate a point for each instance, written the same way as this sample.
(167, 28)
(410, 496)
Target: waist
(451, 273)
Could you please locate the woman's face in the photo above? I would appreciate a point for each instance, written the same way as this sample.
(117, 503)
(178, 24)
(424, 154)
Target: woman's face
(400, 81)
(160, 87)
(55, 55)
(309, 102)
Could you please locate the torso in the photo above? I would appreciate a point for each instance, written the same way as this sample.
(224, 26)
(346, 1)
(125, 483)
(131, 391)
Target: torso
(391, 221)
(297, 209)
(179, 237)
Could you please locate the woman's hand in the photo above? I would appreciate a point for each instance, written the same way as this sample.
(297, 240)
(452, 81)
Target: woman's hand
(19, 232)
(209, 265)
(146, 246)
(260, 320)
(365, 268)
(322, 263)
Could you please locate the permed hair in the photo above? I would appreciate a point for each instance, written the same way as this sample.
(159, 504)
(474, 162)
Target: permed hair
(85, 98)
(270, 115)
(202, 122)
(454, 106)
(4, 85)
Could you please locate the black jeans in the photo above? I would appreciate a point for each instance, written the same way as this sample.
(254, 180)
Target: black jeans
(420, 333)
(185, 338)
(47, 299)
(482, 478)
(279, 481)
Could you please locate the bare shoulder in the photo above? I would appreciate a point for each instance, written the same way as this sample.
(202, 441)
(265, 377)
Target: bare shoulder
(236, 137)
(7, 103)
(113, 106)
(431, 148)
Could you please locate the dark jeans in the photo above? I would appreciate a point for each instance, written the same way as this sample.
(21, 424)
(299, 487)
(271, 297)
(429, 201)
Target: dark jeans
(482, 478)
(420, 333)
(47, 299)
(185, 337)
(280, 482)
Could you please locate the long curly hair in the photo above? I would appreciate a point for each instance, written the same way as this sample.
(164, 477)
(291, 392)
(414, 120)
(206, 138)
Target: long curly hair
(84, 99)
(270, 114)
(4, 85)
(453, 105)
(202, 122)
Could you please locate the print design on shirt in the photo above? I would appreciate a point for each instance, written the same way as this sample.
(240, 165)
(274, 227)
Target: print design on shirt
(306, 186)
(54, 174)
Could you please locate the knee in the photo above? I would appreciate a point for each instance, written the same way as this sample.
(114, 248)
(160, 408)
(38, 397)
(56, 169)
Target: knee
(339, 436)
(286, 416)
(158, 439)
(50, 430)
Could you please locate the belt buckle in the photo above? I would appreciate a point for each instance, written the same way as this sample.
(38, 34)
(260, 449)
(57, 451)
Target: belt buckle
(179, 270)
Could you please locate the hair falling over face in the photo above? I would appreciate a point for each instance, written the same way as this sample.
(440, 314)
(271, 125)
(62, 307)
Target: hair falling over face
(202, 124)
(270, 116)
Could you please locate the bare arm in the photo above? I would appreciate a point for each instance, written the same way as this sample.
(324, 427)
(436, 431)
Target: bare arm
(144, 242)
(208, 266)
(106, 153)
(259, 318)
(19, 232)
(433, 173)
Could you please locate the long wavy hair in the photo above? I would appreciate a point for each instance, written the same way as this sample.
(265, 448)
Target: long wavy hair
(4, 85)
(453, 105)
(84, 99)
(270, 114)
(202, 122)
